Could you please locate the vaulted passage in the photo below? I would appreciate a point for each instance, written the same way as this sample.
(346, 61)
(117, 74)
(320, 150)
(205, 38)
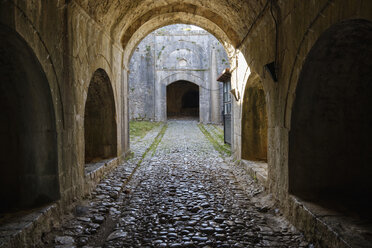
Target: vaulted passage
(330, 149)
(182, 100)
(111, 112)
(99, 119)
(254, 122)
(28, 137)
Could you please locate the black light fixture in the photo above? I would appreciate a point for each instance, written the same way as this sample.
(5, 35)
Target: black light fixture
(235, 93)
(270, 67)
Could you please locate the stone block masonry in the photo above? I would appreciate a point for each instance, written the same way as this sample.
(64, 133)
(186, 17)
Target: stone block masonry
(170, 54)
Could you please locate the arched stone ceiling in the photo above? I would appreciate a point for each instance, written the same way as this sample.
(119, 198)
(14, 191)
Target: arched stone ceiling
(173, 18)
(123, 18)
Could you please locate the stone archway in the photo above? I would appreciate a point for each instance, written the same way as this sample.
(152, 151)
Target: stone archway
(330, 145)
(254, 121)
(183, 100)
(161, 95)
(100, 127)
(28, 133)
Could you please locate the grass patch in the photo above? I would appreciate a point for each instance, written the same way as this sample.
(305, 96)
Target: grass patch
(224, 149)
(157, 140)
(141, 128)
(218, 132)
(130, 156)
(152, 148)
(154, 144)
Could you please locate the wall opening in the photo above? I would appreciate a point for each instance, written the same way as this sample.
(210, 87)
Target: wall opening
(169, 54)
(330, 148)
(28, 134)
(254, 121)
(182, 100)
(100, 128)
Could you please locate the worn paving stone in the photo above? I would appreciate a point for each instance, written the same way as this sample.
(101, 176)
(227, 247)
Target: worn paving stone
(184, 194)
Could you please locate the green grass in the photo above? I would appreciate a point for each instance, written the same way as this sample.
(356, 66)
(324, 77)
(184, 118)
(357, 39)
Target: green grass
(141, 128)
(224, 149)
(154, 144)
(217, 132)
(152, 148)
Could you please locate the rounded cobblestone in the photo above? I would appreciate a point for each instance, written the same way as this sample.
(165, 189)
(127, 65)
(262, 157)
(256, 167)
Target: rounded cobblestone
(184, 194)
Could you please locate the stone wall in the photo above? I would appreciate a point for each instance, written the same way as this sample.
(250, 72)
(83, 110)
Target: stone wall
(38, 56)
(176, 52)
(70, 46)
(73, 39)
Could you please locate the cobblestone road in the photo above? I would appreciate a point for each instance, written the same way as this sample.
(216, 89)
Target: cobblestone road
(183, 194)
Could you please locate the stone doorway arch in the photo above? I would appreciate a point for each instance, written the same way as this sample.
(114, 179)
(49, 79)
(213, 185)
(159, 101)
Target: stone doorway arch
(100, 127)
(330, 145)
(183, 100)
(254, 121)
(28, 133)
(161, 92)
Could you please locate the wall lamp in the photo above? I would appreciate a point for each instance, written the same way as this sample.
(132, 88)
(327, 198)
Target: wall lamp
(270, 67)
(235, 93)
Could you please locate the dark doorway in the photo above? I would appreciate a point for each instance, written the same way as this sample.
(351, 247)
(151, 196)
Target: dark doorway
(28, 136)
(330, 148)
(99, 119)
(183, 100)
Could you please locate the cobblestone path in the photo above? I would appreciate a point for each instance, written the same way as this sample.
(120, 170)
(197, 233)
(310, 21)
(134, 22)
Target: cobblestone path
(183, 194)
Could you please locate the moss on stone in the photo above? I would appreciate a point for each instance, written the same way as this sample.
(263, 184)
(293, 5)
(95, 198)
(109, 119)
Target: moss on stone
(141, 128)
(224, 149)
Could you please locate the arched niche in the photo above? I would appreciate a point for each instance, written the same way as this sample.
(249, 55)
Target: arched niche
(254, 121)
(28, 134)
(100, 127)
(182, 100)
(330, 147)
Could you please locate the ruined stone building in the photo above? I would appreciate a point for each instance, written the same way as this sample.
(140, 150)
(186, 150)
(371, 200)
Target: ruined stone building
(300, 73)
(173, 73)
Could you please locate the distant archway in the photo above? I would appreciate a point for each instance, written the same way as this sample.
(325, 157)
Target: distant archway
(330, 147)
(28, 134)
(254, 121)
(100, 127)
(182, 100)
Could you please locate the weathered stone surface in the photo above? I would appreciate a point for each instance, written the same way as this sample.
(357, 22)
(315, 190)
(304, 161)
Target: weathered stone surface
(72, 39)
(64, 240)
(173, 203)
(117, 234)
(173, 53)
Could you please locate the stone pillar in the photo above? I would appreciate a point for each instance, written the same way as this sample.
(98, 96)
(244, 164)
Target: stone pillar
(214, 90)
(159, 101)
(125, 112)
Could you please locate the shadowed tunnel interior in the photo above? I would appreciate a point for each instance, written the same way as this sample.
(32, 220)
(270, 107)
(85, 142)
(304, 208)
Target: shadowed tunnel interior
(28, 136)
(182, 99)
(330, 149)
(99, 119)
